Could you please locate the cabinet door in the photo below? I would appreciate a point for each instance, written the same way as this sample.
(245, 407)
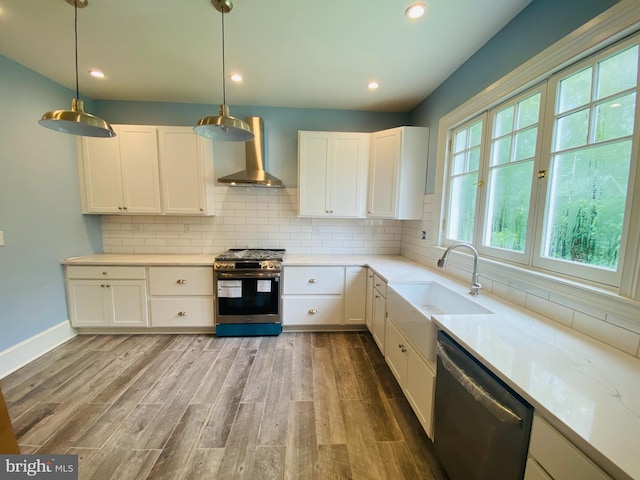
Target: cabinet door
(379, 319)
(383, 178)
(370, 294)
(348, 175)
(88, 303)
(396, 353)
(420, 389)
(314, 151)
(100, 175)
(140, 173)
(183, 167)
(355, 295)
(128, 303)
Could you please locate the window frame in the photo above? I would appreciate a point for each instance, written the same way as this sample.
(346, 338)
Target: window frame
(524, 257)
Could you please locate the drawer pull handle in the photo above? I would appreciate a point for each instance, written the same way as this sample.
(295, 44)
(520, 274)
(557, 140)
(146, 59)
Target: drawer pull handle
(181, 281)
(313, 280)
(313, 311)
(182, 314)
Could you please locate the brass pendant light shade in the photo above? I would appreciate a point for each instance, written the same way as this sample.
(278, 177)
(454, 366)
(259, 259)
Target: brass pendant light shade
(224, 127)
(76, 121)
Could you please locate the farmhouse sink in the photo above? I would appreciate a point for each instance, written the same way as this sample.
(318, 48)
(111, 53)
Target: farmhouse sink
(411, 305)
(432, 298)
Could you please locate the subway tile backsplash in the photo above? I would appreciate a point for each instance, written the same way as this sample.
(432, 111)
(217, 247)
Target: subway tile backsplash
(250, 217)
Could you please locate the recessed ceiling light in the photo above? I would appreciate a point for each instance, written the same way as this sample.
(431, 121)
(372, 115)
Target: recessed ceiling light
(415, 10)
(94, 72)
(236, 77)
(373, 85)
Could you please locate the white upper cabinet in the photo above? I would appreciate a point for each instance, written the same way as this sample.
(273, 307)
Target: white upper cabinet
(120, 174)
(332, 168)
(186, 167)
(147, 170)
(397, 173)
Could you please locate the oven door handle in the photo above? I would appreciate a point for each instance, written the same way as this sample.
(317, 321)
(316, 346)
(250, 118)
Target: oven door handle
(241, 275)
(500, 411)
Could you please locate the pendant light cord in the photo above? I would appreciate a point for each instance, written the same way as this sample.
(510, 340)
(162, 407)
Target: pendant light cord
(224, 85)
(75, 7)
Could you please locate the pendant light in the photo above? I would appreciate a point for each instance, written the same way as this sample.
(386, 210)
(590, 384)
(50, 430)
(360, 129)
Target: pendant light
(224, 127)
(76, 121)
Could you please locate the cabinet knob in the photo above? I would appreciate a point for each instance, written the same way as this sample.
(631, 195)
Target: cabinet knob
(181, 281)
(377, 284)
(124, 208)
(313, 311)
(313, 280)
(182, 314)
(403, 350)
(104, 273)
(377, 296)
(120, 208)
(202, 209)
(103, 286)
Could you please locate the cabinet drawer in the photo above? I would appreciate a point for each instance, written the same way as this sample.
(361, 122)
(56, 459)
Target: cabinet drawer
(380, 284)
(98, 272)
(312, 310)
(560, 458)
(181, 280)
(182, 312)
(314, 280)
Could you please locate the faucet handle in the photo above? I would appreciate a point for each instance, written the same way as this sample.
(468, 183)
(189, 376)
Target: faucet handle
(475, 287)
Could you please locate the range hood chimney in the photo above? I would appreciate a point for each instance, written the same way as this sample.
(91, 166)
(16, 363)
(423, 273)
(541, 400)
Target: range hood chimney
(254, 175)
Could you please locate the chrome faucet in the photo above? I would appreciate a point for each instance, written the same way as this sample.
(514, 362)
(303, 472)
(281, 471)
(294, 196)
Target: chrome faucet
(442, 263)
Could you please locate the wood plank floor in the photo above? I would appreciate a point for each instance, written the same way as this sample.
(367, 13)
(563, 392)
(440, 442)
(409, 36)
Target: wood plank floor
(296, 406)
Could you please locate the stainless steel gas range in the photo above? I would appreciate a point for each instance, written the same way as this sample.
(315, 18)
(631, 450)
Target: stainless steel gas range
(247, 282)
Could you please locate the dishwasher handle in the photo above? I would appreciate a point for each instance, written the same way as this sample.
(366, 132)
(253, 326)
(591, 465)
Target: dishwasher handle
(501, 412)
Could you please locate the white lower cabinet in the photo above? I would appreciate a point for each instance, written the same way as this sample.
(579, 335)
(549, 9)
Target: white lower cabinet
(379, 313)
(369, 305)
(415, 376)
(181, 296)
(107, 296)
(553, 455)
(313, 295)
(355, 295)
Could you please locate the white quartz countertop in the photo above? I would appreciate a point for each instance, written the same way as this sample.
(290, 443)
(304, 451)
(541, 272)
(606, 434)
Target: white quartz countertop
(134, 259)
(586, 389)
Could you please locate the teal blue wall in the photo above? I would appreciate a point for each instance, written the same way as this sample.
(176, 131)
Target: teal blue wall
(538, 26)
(39, 206)
(281, 127)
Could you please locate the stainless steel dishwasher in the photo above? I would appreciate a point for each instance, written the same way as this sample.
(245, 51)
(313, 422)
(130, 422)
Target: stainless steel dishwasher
(482, 426)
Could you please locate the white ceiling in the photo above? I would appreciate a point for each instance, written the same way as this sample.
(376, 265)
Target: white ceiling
(291, 53)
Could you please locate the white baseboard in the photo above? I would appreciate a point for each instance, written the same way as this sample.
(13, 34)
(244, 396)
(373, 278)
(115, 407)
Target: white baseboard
(24, 352)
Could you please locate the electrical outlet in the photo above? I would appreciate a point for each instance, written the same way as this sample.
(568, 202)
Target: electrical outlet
(1, 238)
(423, 235)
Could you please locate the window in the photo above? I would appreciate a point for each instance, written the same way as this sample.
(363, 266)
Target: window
(547, 183)
(513, 148)
(464, 179)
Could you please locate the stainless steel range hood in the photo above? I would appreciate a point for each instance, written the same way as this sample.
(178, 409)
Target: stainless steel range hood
(254, 175)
